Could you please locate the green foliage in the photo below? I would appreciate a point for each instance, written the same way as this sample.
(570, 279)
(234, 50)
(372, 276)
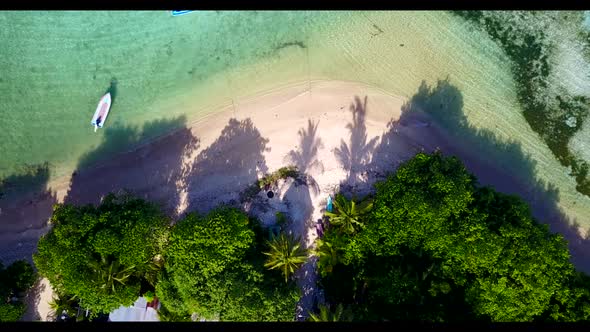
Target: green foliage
(285, 254)
(458, 251)
(281, 173)
(347, 214)
(329, 251)
(213, 269)
(11, 312)
(267, 180)
(166, 315)
(101, 254)
(109, 274)
(16, 279)
(325, 315)
(570, 303)
(149, 296)
(64, 303)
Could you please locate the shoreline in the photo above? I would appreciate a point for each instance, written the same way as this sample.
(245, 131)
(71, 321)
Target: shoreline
(342, 134)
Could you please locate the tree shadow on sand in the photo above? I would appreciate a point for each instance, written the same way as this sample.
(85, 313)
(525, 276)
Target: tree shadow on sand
(305, 157)
(298, 194)
(25, 207)
(495, 162)
(298, 199)
(152, 171)
(227, 166)
(356, 156)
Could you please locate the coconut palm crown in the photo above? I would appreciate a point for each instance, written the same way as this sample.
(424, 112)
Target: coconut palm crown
(285, 254)
(348, 214)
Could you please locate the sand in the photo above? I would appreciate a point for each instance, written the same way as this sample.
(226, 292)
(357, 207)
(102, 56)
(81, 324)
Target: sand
(342, 135)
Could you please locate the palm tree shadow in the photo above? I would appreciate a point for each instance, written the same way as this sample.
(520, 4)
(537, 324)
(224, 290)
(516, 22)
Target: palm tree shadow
(297, 197)
(355, 157)
(434, 114)
(231, 163)
(151, 171)
(305, 157)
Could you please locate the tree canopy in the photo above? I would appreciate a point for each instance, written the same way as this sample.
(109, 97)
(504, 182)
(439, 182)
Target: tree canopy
(214, 269)
(437, 246)
(102, 254)
(17, 278)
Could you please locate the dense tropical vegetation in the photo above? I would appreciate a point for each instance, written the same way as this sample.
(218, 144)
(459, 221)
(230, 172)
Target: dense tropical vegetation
(104, 256)
(430, 244)
(211, 267)
(438, 247)
(348, 214)
(214, 269)
(14, 281)
(339, 314)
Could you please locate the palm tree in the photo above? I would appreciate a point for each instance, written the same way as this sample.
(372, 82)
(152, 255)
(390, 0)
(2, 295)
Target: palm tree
(328, 253)
(63, 303)
(285, 254)
(347, 214)
(107, 275)
(325, 315)
(154, 267)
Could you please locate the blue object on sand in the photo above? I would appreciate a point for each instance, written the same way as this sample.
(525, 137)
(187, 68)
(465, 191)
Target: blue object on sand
(329, 205)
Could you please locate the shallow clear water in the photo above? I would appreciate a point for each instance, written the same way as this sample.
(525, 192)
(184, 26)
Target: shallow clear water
(55, 66)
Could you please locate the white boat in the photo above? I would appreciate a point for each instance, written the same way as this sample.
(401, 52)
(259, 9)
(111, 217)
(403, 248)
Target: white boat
(102, 111)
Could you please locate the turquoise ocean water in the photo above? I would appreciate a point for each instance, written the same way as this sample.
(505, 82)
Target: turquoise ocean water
(54, 67)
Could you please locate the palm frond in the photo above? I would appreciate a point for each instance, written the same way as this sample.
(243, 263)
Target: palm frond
(285, 254)
(326, 315)
(348, 214)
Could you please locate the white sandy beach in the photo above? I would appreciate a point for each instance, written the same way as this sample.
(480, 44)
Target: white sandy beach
(337, 134)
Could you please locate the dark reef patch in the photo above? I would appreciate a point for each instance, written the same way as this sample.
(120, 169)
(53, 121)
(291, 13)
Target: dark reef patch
(297, 43)
(530, 69)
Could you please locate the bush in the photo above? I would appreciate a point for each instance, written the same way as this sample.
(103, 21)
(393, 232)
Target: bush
(14, 280)
(102, 254)
(11, 312)
(438, 247)
(268, 180)
(213, 269)
(20, 275)
(281, 173)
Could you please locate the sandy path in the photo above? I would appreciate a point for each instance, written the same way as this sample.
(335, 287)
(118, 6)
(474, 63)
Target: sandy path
(338, 135)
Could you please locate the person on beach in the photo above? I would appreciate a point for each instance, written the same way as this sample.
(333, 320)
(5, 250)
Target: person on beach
(319, 229)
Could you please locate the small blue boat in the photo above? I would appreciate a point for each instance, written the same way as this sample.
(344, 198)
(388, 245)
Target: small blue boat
(180, 12)
(329, 206)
